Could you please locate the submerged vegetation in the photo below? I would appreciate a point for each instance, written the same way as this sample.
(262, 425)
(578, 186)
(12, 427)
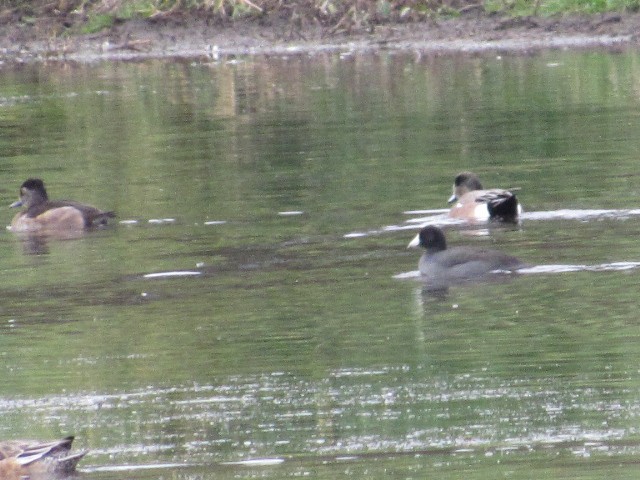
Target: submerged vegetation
(340, 15)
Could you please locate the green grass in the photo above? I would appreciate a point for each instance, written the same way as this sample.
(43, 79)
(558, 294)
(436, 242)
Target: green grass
(554, 7)
(91, 16)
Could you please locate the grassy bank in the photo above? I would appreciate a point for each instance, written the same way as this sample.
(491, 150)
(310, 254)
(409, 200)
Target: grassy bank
(93, 15)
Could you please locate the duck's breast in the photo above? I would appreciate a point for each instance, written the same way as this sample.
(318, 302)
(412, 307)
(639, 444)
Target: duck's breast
(470, 207)
(61, 219)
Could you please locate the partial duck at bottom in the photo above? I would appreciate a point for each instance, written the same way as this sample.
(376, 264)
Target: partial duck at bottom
(27, 459)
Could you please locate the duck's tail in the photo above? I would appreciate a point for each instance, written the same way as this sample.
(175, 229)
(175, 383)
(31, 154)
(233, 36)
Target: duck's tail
(504, 207)
(67, 465)
(102, 218)
(56, 454)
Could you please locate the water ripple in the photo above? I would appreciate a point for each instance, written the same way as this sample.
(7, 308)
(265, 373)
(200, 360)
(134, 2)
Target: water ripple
(440, 218)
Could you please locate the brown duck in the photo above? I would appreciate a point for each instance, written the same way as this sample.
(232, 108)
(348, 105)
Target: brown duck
(33, 460)
(43, 215)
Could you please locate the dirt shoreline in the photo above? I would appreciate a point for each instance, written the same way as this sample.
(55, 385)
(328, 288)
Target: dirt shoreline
(195, 38)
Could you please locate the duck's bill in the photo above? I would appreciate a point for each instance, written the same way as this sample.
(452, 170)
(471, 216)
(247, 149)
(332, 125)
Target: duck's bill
(452, 198)
(415, 242)
(16, 204)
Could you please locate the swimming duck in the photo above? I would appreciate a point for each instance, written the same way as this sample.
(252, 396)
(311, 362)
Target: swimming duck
(442, 266)
(41, 214)
(474, 203)
(25, 459)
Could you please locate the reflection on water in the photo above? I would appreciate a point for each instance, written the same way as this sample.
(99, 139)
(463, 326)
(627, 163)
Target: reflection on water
(548, 269)
(440, 217)
(356, 412)
(242, 319)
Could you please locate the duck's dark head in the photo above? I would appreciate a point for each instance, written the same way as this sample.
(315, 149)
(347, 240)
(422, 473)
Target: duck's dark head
(463, 183)
(32, 192)
(431, 239)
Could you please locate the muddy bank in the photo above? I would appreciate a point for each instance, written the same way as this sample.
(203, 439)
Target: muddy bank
(195, 38)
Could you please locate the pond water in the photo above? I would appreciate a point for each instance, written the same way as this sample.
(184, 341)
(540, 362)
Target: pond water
(252, 313)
